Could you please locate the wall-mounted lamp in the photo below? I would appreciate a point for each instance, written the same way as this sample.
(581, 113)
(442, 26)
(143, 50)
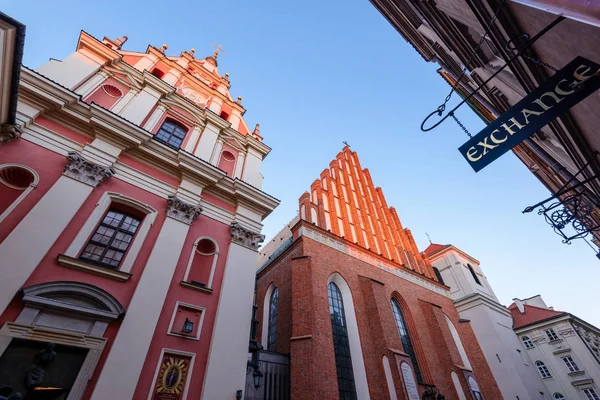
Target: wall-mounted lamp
(188, 327)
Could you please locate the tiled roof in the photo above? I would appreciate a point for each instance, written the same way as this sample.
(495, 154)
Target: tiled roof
(531, 315)
(434, 248)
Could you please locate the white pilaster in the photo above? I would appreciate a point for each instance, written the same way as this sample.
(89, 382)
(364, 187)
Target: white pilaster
(214, 159)
(240, 166)
(194, 136)
(234, 118)
(141, 105)
(207, 142)
(88, 86)
(155, 117)
(124, 101)
(124, 363)
(172, 76)
(252, 168)
(226, 367)
(71, 71)
(215, 105)
(28, 243)
(145, 63)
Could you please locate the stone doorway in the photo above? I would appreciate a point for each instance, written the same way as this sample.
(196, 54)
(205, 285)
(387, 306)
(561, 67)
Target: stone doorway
(40, 370)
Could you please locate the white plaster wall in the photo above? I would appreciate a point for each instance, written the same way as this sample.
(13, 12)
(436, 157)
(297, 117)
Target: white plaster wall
(71, 71)
(207, 142)
(124, 363)
(28, 243)
(454, 271)
(252, 168)
(141, 105)
(226, 367)
(495, 336)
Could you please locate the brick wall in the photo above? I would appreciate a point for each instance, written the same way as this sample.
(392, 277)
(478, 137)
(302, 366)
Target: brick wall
(304, 325)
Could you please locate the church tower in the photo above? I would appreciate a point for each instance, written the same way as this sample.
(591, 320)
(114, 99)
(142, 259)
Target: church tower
(491, 322)
(349, 308)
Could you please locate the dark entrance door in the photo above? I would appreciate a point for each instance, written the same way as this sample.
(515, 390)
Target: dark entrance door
(40, 370)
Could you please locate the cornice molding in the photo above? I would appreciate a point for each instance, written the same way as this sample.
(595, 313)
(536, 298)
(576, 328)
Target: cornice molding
(90, 43)
(476, 299)
(308, 230)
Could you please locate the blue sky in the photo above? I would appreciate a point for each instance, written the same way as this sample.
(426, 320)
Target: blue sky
(316, 73)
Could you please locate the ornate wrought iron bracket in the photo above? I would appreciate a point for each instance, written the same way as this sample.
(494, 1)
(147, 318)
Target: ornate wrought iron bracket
(573, 212)
(520, 51)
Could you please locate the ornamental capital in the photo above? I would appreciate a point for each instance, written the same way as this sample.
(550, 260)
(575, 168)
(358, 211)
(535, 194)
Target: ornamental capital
(86, 171)
(9, 132)
(245, 237)
(182, 211)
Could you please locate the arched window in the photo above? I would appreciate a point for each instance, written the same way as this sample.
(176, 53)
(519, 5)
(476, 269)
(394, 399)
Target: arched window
(171, 133)
(475, 388)
(544, 372)
(405, 338)
(527, 342)
(201, 266)
(16, 181)
(227, 163)
(273, 309)
(558, 396)
(112, 238)
(474, 274)
(438, 275)
(341, 346)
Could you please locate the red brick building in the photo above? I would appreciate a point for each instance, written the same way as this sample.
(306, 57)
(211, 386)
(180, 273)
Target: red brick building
(345, 292)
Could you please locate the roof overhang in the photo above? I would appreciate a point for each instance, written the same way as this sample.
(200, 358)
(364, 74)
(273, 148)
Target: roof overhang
(12, 41)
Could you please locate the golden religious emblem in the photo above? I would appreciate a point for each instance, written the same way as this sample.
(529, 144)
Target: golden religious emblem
(171, 378)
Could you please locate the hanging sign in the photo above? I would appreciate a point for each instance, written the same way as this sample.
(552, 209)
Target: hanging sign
(557, 95)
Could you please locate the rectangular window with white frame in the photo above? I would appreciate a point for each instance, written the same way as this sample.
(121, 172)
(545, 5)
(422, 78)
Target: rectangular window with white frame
(570, 364)
(113, 234)
(590, 394)
(552, 336)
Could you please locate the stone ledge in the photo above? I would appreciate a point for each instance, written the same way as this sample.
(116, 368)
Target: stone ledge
(195, 287)
(301, 337)
(85, 266)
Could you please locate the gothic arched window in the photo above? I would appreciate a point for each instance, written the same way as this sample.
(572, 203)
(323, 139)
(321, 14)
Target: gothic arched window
(273, 309)
(558, 396)
(405, 338)
(171, 133)
(341, 345)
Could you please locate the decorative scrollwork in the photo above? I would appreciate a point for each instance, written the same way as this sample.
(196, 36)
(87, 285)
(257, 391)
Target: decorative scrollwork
(573, 213)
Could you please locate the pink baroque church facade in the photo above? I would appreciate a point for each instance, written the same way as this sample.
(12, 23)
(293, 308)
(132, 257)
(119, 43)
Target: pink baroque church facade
(130, 218)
